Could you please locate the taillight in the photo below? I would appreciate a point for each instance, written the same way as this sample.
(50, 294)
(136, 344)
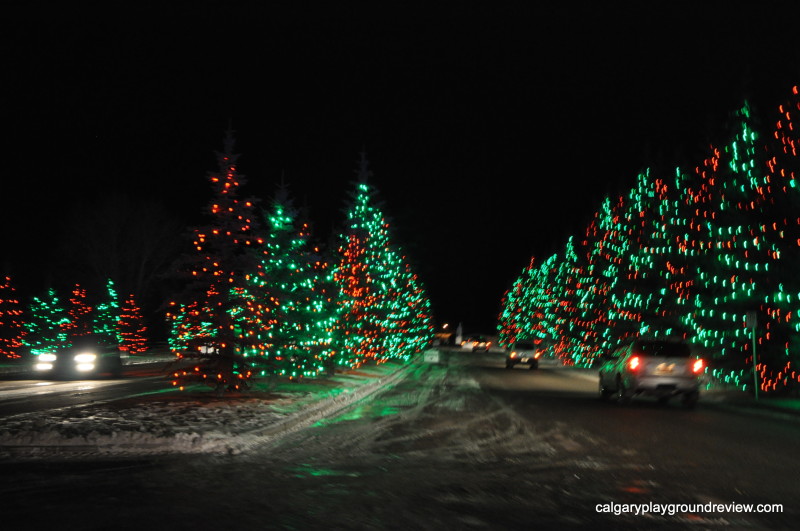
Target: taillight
(633, 363)
(536, 356)
(513, 354)
(697, 367)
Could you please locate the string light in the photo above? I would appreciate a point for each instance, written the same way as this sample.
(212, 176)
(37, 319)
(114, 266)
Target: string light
(686, 255)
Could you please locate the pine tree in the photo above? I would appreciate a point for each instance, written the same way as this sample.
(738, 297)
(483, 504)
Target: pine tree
(131, 328)
(299, 340)
(12, 324)
(689, 256)
(79, 313)
(375, 282)
(216, 318)
(107, 315)
(48, 324)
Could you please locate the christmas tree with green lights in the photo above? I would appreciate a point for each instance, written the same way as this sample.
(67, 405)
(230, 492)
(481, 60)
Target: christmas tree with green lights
(12, 324)
(106, 315)
(375, 282)
(409, 320)
(47, 324)
(300, 337)
(689, 255)
(639, 300)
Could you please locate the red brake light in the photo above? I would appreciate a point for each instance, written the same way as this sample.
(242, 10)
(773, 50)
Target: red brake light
(698, 366)
(633, 363)
(536, 356)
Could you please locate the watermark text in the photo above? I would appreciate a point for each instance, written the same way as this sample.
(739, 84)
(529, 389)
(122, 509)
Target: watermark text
(671, 509)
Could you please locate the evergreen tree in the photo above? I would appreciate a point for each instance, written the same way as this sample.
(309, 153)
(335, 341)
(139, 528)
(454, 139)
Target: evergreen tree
(107, 315)
(12, 324)
(216, 318)
(79, 313)
(300, 335)
(131, 328)
(374, 280)
(689, 256)
(48, 324)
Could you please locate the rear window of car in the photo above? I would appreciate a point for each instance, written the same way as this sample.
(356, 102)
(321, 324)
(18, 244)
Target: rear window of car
(524, 345)
(664, 349)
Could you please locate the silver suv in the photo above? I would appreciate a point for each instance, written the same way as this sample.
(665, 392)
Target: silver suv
(653, 367)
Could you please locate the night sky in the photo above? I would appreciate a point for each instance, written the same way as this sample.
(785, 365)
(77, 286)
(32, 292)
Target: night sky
(492, 132)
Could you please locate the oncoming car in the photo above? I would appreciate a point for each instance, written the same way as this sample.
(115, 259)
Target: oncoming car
(476, 343)
(524, 353)
(88, 357)
(650, 367)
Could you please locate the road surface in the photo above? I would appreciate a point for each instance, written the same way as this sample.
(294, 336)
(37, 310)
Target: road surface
(462, 445)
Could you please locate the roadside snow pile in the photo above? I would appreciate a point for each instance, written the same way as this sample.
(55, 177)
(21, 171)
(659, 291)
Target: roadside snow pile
(156, 426)
(191, 421)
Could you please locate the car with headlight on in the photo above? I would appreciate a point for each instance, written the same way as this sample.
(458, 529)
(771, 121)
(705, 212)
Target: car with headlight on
(88, 357)
(476, 343)
(659, 368)
(523, 352)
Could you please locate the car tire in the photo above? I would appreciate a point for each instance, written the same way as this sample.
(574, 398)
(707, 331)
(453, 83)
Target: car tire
(509, 365)
(690, 400)
(534, 366)
(605, 393)
(116, 368)
(623, 397)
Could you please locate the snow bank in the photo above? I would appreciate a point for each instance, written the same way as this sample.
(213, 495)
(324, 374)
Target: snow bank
(193, 422)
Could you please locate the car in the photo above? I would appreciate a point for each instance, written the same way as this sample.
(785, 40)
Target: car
(523, 352)
(476, 343)
(89, 356)
(659, 368)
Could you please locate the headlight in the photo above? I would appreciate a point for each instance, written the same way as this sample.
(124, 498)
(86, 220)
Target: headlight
(85, 357)
(47, 357)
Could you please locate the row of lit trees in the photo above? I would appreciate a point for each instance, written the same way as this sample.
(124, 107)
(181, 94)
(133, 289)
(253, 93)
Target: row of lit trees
(686, 253)
(47, 324)
(262, 297)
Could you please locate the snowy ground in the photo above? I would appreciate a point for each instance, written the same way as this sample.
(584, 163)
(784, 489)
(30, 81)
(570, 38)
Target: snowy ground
(192, 421)
(195, 421)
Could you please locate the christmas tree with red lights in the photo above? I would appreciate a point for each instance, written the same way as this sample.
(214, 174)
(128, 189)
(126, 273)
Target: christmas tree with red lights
(217, 318)
(131, 328)
(12, 324)
(79, 314)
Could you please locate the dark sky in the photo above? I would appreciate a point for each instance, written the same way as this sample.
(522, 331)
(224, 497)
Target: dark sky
(493, 132)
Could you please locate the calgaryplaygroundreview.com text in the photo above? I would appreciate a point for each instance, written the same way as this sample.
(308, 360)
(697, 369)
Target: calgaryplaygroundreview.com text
(672, 509)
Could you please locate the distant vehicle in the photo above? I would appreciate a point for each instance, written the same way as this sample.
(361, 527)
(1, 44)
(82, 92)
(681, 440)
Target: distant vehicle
(443, 338)
(476, 343)
(89, 357)
(659, 368)
(523, 353)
